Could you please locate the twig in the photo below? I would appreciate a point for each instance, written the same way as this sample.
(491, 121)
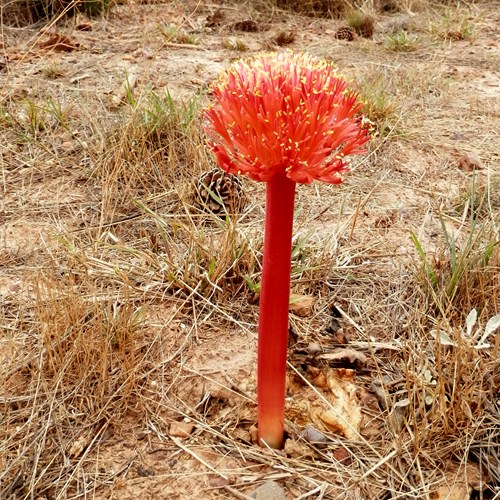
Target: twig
(236, 493)
(351, 321)
(182, 45)
(194, 455)
(377, 465)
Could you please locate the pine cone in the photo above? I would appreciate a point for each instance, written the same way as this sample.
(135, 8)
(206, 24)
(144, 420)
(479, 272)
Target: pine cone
(218, 192)
(345, 33)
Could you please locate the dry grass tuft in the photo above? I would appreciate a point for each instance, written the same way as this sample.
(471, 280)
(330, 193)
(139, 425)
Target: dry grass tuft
(401, 41)
(452, 24)
(158, 143)
(363, 24)
(175, 34)
(81, 370)
(464, 274)
(379, 106)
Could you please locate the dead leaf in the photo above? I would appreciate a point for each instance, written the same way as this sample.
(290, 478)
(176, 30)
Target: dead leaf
(78, 446)
(451, 492)
(346, 356)
(301, 305)
(470, 162)
(59, 43)
(458, 481)
(317, 377)
(344, 415)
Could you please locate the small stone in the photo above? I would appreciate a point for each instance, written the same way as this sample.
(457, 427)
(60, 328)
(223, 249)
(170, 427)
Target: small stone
(242, 435)
(342, 456)
(312, 435)
(297, 449)
(270, 490)
(181, 429)
(301, 305)
(218, 482)
(313, 348)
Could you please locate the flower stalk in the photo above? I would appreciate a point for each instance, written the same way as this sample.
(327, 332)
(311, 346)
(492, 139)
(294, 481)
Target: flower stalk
(273, 317)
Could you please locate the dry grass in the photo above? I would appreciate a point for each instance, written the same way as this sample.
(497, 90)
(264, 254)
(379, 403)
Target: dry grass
(341, 8)
(32, 12)
(81, 367)
(126, 309)
(334, 8)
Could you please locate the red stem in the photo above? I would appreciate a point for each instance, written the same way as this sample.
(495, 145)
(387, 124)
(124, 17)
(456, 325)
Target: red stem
(274, 304)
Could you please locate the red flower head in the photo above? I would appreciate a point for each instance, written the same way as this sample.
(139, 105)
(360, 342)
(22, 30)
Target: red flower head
(284, 112)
